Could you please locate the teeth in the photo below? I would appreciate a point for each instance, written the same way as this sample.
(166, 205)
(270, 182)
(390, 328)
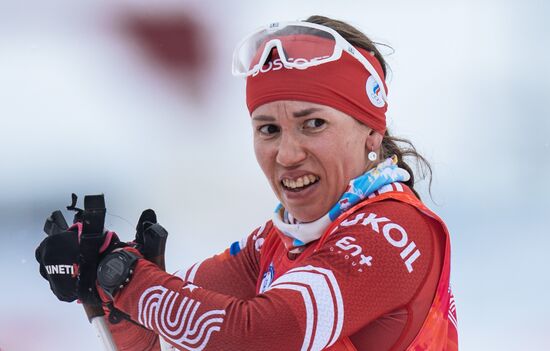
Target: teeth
(300, 182)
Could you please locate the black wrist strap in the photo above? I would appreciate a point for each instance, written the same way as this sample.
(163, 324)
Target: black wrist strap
(116, 316)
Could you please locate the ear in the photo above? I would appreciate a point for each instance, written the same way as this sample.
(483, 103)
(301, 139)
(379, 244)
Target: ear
(374, 141)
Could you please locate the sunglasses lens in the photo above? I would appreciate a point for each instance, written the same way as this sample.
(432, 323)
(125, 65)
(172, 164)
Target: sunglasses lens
(302, 47)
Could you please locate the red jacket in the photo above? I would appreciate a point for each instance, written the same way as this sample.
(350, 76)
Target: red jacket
(378, 279)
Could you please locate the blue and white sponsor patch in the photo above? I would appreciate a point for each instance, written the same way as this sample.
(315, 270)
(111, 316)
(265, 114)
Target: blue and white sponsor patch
(237, 246)
(267, 278)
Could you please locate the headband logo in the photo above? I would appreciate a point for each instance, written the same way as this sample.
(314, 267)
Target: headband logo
(374, 93)
(278, 64)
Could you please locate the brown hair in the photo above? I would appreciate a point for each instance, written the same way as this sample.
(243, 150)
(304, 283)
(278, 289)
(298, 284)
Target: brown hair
(391, 145)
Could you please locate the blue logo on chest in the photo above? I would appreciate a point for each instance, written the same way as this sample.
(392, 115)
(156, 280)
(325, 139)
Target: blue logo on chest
(267, 278)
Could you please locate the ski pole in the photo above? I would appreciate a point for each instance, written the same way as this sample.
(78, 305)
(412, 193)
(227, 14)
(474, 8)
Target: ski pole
(93, 222)
(56, 224)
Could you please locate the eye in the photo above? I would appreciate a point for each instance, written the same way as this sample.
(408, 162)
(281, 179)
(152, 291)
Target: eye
(268, 129)
(314, 123)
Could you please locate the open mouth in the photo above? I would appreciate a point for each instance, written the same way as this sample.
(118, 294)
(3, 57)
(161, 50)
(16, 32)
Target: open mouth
(300, 183)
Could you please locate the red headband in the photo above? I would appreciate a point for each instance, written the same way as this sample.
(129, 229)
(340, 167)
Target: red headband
(344, 84)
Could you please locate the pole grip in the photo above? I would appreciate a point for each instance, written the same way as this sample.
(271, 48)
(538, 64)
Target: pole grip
(93, 221)
(154, 237)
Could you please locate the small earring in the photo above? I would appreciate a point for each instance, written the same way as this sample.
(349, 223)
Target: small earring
(372, 156)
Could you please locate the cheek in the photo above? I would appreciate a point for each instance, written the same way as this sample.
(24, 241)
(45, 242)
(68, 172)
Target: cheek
(348, 156)
(264, 156)
(357, 154)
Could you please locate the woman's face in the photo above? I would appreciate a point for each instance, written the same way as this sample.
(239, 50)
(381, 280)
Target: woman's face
(309, 153)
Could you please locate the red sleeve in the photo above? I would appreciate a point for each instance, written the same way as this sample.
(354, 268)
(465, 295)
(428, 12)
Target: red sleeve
(235, 271)
(373, 263)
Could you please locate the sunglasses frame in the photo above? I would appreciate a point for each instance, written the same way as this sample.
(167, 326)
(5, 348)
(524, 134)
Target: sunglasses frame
(341, 45)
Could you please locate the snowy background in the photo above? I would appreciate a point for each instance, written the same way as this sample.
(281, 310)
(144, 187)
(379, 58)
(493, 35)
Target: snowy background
(136, 100)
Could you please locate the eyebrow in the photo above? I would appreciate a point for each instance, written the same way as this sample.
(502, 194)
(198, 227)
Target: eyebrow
(264, 118)
(306, 112)
(297, 114)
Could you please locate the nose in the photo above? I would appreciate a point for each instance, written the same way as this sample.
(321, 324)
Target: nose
(290, 152)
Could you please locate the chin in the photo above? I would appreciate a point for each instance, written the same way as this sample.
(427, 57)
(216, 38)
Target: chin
(306, 216)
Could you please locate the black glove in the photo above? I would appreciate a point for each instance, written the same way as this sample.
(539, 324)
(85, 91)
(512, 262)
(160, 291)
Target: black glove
(68, 258)
(151, 238)
(59, 256)
(58, 259)
(147, 218)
